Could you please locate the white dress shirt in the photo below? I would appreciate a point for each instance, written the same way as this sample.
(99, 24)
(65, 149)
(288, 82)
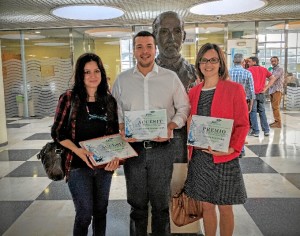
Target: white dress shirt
(159, 89)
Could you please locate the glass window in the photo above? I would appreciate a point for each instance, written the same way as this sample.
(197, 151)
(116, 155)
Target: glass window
(292, 40)
(293, 63)
(241, 39)
(271, 41)
(126, 54)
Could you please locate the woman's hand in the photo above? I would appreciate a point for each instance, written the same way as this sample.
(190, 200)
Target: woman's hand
(84, 155)
(216, 153)
(112, 165)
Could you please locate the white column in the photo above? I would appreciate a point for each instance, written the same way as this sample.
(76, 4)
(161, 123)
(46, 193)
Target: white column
(3, 129)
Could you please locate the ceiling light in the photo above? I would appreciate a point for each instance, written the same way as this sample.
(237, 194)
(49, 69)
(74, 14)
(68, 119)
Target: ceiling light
(226, 7)
(87, 12)
(50, 44)
(17, 36)
(113, 43)
(114, 32)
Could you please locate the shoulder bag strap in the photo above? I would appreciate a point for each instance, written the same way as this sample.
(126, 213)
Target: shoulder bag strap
(70, 114)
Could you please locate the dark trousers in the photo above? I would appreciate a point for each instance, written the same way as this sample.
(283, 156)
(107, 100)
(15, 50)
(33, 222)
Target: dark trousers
(148, 177)
(90, 192)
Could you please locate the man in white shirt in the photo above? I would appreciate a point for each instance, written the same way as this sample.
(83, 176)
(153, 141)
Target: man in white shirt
(148, 86)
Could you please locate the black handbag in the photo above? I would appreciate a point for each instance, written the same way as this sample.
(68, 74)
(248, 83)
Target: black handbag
(53, 156)
(53, 159)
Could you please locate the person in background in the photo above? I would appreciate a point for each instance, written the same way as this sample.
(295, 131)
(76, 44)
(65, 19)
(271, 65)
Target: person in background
(260, 75)
(148, 86)
(276, 91)
(244, 77)
(94, 115)
(214, 177)
(245, 64)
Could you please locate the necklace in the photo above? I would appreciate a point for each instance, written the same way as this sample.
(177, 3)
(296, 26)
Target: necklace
(94, 116)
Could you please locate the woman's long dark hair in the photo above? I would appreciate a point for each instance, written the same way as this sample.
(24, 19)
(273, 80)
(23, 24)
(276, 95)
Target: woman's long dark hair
(103, 95)
(79, 87)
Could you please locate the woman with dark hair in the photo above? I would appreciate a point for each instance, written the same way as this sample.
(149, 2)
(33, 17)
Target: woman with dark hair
(94, 114)
(215, 177)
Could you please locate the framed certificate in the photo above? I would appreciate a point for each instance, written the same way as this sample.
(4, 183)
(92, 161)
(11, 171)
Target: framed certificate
(107, 148)
(209, 131)
(146, 125)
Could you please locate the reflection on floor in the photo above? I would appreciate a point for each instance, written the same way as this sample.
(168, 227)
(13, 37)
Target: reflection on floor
(31, 204)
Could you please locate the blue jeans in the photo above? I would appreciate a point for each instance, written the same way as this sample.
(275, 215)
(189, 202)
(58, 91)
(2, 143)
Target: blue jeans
(90, 192)
(148, 177)
(259, 107)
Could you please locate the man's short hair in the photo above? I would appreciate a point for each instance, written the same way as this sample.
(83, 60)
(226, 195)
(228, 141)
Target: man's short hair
(238, 58)
(255, 59)
(143, 34)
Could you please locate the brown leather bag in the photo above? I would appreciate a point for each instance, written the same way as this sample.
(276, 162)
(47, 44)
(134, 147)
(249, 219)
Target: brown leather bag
(185, 210)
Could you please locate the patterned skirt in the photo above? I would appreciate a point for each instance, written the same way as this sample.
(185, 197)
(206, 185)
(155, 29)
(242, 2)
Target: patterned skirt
(219, 184)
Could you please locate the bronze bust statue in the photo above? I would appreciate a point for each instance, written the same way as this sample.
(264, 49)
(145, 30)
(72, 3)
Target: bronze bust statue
(168, 29)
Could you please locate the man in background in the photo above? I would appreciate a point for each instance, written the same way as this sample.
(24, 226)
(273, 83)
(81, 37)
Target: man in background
(276, 91)
(244, 77)
(260, 76)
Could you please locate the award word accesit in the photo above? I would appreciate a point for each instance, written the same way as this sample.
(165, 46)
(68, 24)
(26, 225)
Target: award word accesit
(146, 124)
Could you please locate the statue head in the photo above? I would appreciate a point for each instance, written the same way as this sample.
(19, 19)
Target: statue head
(168, 29)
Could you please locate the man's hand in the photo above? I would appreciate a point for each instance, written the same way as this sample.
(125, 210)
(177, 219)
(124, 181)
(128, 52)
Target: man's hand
(171, 127)
(122, 133)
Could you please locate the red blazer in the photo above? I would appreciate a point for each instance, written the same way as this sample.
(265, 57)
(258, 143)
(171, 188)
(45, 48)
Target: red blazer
(228, 102)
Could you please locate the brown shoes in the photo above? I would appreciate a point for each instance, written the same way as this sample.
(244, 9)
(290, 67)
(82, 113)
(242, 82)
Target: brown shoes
(275, 125)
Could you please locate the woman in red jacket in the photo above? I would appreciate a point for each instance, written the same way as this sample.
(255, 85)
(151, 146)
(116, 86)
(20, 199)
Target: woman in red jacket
(215, 177)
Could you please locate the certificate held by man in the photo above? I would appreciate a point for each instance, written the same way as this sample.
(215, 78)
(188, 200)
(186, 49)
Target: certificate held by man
(210, 131)
(107, 148)
(146, 124)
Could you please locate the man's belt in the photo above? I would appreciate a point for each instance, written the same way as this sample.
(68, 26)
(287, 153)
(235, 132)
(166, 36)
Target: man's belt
(147, 144)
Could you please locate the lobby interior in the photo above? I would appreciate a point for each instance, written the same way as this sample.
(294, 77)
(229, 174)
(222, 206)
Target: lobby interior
(38, 51)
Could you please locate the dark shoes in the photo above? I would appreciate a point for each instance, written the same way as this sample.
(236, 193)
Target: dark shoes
(254, 134)
(242, 154)
(275, 125)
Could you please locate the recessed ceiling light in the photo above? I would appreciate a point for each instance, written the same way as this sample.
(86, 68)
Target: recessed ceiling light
(50, 44)
(87, 12)
(114, 32)
(17, 36)
(226, 7)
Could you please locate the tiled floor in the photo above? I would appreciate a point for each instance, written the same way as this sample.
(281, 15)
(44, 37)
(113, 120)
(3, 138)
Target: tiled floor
(31, 204)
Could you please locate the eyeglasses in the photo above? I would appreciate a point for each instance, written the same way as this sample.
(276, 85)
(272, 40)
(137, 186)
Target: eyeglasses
(212, 60)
